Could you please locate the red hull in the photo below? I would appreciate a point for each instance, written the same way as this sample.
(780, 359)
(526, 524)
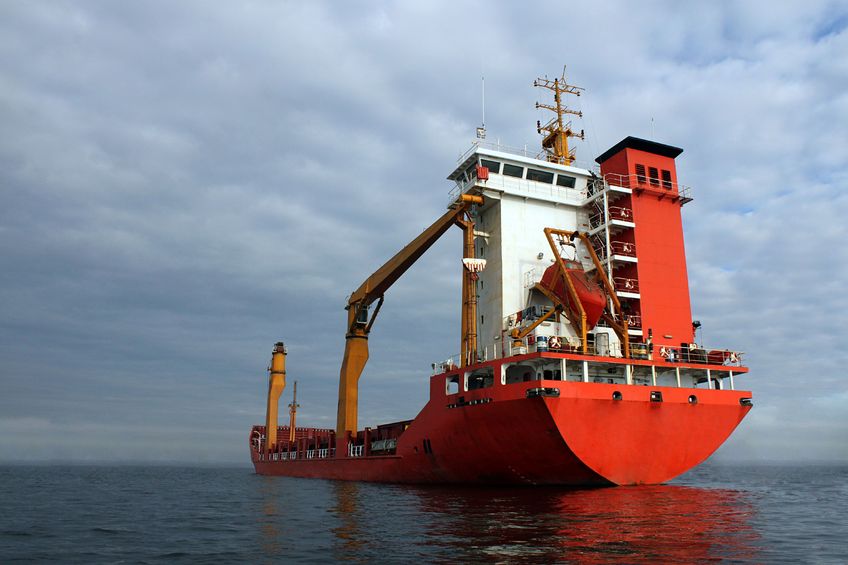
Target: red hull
(583, 437)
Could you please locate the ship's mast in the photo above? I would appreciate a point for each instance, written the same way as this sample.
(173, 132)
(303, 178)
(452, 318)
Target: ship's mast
(293, 406)
(557, 131)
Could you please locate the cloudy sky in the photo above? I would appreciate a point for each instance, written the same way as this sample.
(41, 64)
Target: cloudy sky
(184, 183)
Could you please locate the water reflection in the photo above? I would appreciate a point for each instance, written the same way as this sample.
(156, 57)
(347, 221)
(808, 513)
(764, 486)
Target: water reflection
(666, 523)
(348, 531)
(271, 524)
(635, 524)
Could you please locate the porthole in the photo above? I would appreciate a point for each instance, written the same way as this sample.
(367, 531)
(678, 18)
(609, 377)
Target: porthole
(693, 399)
(617, 395)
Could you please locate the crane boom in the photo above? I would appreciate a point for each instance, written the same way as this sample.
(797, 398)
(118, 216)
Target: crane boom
(384, 277)
(374, 287)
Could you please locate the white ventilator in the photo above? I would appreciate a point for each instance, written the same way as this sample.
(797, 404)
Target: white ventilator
(474, 265)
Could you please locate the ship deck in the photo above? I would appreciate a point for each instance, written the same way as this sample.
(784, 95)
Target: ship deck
(596, 420)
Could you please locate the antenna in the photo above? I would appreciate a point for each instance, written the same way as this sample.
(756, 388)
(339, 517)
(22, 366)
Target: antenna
(481, 131)
(557, 132)
(483, 89)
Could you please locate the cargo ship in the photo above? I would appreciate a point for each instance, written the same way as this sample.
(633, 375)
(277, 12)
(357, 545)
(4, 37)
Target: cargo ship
(579, 361)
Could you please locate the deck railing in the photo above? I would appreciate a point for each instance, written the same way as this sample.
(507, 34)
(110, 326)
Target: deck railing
(624, 284)
(621, 248)
(521, 152)
(624, 248)
(656, 185)
(621, 213)
(689, 355)
(326, 453)
(519, 186)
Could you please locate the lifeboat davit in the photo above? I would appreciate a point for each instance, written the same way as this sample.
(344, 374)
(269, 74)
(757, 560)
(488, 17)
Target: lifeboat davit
(591, 295)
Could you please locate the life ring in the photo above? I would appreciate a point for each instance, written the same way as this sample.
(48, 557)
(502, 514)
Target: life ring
(664, 352)
(733, 358)
(554, 343)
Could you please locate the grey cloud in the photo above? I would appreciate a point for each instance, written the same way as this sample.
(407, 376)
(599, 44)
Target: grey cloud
(184, 184)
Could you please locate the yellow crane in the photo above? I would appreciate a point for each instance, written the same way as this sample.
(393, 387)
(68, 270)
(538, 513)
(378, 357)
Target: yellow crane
(359, 322)
(276, 385)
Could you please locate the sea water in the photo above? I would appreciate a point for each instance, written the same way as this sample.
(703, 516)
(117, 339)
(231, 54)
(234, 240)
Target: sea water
(123, 514)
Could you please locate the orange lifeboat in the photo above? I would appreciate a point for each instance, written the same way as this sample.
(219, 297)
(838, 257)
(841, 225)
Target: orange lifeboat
(591, 296)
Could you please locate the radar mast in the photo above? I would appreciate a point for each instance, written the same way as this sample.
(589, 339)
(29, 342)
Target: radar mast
(557, 130)
(293, 406)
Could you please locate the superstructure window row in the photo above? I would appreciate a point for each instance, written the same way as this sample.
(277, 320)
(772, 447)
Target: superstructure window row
(535, 175)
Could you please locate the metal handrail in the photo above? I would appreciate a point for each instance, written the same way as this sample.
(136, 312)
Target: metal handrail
(522, 152)
(699, 355)
(620, 213)
(624, 248)
(625, 284)
(634, 321)
(518, 186)
(642, 182)
(696, 355)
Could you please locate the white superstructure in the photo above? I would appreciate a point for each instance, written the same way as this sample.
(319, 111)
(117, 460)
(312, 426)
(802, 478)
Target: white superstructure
(523, 195)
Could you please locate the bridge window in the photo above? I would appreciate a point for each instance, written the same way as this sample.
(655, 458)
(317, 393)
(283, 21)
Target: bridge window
(493, 166)
(666, 179)
(540, 176)
(566, 181)
(513, 170)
